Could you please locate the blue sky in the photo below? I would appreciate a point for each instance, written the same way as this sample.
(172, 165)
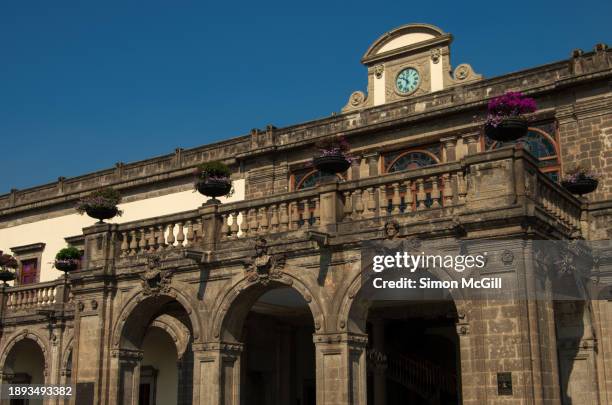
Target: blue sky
(86, 84)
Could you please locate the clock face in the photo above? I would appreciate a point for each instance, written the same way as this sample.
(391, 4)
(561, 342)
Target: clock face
(407, 81)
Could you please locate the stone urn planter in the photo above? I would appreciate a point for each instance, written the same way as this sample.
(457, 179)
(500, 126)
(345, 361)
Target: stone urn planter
(66, 265)
(509, 129)
(214, 188)
(581, 186)
(6, 276)
(100, 204)
(102, 213)
(331, 164)
(213, 179)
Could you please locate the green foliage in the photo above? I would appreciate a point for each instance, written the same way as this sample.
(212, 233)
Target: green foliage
(68, 253)
(214, 169)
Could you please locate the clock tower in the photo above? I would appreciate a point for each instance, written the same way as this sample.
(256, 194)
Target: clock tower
(409, 61)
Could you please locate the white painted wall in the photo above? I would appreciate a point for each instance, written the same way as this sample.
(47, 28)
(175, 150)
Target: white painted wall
(53, 231)
(437, 75)
(405, 40)
(160, 352)
(379, 89)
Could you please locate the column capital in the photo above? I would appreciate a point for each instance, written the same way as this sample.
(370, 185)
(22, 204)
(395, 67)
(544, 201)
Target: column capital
(354, 339)
(471, 137)
(449, 141)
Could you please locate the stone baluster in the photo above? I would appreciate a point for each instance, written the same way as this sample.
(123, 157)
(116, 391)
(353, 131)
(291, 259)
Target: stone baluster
(274, 218)
(180, 235)
(396, 200)
(234, 228)
(359, 207)
(171, 239)
(142, 242)
(408, 196)
(224, 227)
(348, 206)
(133, 242)
(421, 195)
(190, 235)
(152, 239)
(316, 215)
(161, 244)
(244, 224)
(283, 218)
(124, 244)
(435, 192)
(447, 192)
(263, 222)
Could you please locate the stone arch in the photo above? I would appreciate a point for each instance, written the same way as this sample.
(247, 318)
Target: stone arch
(29, 335)
(175, 329)
(410, 33)
(348, 304)
(234, 305)
(138, 303)
(68, 349)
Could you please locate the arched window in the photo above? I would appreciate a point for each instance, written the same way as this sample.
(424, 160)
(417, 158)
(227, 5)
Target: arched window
(411, 160)
(541, 145)
(309, 179)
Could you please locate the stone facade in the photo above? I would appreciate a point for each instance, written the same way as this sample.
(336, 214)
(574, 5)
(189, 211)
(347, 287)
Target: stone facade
(261, 300)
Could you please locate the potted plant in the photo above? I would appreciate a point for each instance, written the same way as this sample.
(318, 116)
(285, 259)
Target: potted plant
(580, 181)
(8, 265)
(506, 119)
(213, 180)
(333, 156)
(101, 204)
(67, 259)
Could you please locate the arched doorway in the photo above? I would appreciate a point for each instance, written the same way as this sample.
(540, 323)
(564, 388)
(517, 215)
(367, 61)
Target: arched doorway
(413, 353)
(275, 326)
(155, 358)
(24, 364)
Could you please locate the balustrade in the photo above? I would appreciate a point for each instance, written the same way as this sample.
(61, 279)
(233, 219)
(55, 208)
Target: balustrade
(33, 296)
(160, 234)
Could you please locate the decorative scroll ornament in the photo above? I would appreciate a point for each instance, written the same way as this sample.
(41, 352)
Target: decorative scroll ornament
(155, 280)
(263, 267)
(357, 98)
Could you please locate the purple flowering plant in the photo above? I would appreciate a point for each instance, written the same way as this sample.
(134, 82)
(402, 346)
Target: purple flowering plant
(510, 104)
(337, 146)
(102, 198)
(580, 173)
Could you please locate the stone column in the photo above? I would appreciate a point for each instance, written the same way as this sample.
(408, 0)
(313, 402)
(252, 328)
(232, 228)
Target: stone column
(450, 144)
(216, 373)
(471, 142)
(341, 368)
(379, 362)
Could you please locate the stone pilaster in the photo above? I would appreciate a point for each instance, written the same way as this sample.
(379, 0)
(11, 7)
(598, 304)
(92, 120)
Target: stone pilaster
(450, 148)
(471, 141)
(216, 373)
(341, 368)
